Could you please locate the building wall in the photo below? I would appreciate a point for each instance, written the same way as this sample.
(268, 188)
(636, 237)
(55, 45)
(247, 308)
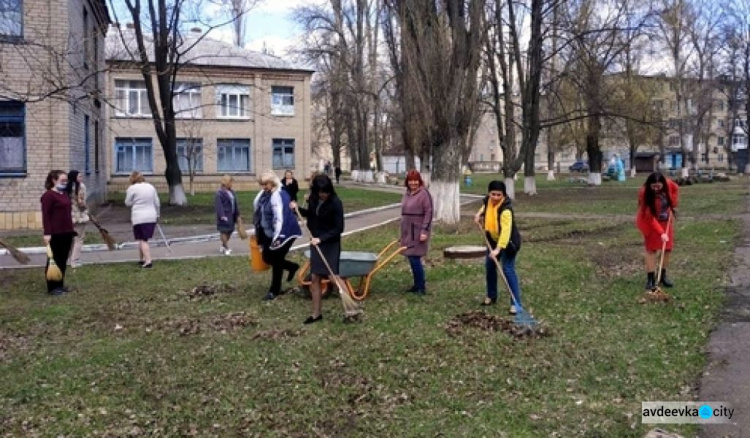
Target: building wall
(261, 127)
(47, 120)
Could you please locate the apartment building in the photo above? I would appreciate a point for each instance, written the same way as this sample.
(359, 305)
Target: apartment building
(239, 112)
(51, 112)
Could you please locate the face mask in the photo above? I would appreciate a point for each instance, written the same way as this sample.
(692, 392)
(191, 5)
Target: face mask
(62, 187)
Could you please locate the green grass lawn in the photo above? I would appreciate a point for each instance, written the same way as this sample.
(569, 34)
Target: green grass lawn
(131, 352)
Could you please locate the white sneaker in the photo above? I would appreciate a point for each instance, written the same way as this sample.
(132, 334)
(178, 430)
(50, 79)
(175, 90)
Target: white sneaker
(513, 310)
(221, 249)
(227, 251)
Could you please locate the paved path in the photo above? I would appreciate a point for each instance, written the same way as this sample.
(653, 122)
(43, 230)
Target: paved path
(206, 245)
(727, 374)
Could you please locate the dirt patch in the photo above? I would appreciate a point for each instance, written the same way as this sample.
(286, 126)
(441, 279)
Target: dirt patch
(204, 291)
(492, 323)
(657, 296)
(221, 323)
(11, 343)
(575, 235)
(615, 263)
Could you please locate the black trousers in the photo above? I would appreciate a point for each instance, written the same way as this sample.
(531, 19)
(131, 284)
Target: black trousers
(276, 258)
(61, 245)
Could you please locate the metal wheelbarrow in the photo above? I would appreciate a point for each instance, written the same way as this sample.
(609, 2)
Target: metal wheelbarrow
(353, 264)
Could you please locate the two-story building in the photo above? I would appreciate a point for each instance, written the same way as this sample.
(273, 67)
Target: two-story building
(51, 109)
(238, 112)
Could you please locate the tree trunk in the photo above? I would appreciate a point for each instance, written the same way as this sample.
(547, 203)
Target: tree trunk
(445, 181)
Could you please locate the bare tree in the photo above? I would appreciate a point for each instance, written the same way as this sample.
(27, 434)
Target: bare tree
(192, 152)
(439, 58)
(238, 10)
(159, 47)
(597, 39)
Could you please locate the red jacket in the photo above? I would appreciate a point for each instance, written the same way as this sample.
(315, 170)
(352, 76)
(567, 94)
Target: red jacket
(647, 222)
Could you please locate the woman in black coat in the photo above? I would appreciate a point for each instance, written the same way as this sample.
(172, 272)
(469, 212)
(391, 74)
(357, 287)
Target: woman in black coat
(290, 185)
(325, 219)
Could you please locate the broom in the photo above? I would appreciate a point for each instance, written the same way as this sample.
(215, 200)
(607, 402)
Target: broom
(53, 272)
(109, 240)
(17, 254)
(241, 231)
(351, 308)
(657, 294)
(522, 318)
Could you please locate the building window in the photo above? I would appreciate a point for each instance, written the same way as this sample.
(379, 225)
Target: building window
(282, 101)
(283, 153)
(233, 155)
(233, 101)
(739, 123)
(721, 123)
(720, 105)
(11, 19)
(12, 138)
(97, 152)
(86, 145)
(190, 153)
(721, 158)
(131, 99)
(738, 142)
(187, 101)
(674, 140)
(720, 141)
(134, 154)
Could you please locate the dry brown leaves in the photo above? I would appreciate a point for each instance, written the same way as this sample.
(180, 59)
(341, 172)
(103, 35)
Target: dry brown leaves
(208, 290)
(276, 334)
(493, 323)
(222, 323)
(655, 296)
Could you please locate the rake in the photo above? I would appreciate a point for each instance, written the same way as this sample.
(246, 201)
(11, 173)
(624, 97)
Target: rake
(106, 237)
(657, 293)
(351, 308)
(522, 318)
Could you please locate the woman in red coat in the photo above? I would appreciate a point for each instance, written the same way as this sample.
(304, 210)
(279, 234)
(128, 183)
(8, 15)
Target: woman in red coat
(657, 201)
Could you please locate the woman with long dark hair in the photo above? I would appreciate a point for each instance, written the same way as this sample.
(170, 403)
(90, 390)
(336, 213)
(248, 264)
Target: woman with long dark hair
(657, 202)
(76, 191)
(57, 221)
(325, 219)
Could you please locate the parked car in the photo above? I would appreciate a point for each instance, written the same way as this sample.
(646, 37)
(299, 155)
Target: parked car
(579, 166)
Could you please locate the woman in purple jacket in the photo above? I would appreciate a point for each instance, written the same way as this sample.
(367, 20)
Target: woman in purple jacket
(416, 221)
(227, 212)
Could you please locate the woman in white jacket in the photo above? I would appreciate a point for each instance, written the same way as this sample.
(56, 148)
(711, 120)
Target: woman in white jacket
(144, 202)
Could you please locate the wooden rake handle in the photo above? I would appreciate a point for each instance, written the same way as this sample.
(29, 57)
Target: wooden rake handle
(663, 250)
(320, 253)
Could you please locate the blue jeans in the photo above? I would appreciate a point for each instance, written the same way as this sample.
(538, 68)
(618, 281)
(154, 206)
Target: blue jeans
(508, 263)
(417, 271)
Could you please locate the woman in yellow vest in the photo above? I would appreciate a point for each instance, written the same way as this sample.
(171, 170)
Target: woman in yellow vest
(496, 218)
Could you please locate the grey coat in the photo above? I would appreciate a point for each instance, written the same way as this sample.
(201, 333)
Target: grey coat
(416, 218)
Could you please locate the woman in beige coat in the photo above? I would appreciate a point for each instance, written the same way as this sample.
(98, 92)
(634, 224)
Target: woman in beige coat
(76, 190)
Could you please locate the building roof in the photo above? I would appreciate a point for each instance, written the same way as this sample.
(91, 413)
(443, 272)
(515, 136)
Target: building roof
(203, 50)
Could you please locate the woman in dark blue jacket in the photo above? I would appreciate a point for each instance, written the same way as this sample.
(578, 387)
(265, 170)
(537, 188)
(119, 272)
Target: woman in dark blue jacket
(325, 219)
(276, 229)
(227, 212)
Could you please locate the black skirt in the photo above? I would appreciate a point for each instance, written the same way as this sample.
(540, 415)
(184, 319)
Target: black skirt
(331, 251)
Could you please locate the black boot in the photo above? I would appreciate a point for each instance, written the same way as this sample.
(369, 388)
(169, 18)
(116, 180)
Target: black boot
(664, 280)
(651, 282)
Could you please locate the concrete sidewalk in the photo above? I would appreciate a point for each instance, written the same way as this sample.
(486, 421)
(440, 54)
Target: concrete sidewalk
(727, 374)
(204, 245)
